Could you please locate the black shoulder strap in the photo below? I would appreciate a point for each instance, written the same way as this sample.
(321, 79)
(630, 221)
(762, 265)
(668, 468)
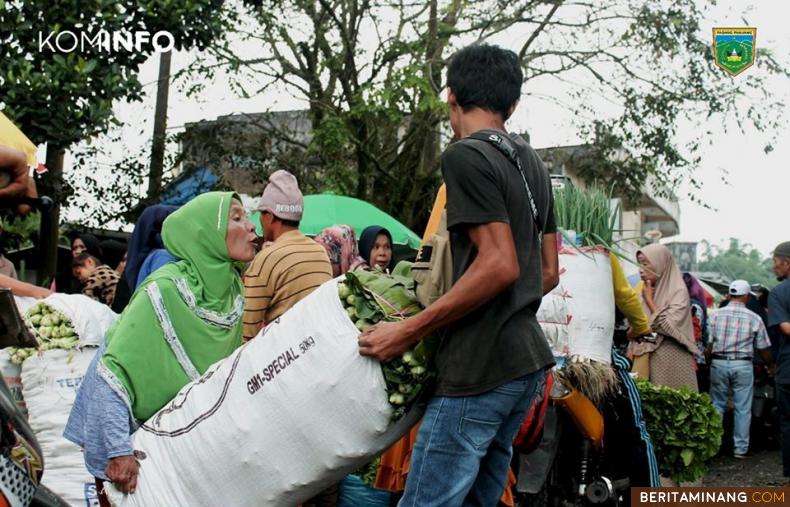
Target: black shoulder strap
(504, 145)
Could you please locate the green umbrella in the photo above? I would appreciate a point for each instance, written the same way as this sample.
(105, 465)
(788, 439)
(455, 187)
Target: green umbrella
(325, 210)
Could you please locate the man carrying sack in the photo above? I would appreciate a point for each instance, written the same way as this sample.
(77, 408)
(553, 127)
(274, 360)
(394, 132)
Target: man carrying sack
(493, 356)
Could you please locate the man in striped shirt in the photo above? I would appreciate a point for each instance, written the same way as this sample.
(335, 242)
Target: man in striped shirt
(293, 266)
(736, 332)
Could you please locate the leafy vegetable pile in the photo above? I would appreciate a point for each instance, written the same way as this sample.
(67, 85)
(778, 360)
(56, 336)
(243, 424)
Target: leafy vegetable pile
(685, 429)
(50, 327)
(370, 297)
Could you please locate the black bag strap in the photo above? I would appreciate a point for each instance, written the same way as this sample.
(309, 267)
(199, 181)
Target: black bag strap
(504, 145)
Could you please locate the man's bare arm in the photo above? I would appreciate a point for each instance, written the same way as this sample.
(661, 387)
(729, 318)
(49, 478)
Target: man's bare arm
(550, 262)
(14, 163)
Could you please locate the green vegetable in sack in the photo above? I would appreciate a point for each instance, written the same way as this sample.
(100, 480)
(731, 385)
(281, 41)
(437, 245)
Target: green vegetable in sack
(390, 294)
(397, 399)
(46, 321)
(45, 332)
(368, 473)
(379, 297)
(35, 319)
(18, 355)
(63, 343)
(54, 332)
(34, 310)
(363, 324)
(67, 331)
(408, 358)
(343, 291)
(55, 318)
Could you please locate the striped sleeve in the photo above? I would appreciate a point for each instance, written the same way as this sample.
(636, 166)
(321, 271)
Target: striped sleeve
(257, 295)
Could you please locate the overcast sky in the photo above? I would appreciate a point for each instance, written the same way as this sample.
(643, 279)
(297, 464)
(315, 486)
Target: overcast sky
(749, 207)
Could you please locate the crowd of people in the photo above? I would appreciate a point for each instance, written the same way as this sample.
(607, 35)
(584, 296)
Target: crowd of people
(692, 344)
(196, 282)
(197, 300)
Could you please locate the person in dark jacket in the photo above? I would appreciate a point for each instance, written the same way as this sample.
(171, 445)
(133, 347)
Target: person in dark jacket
(145, 254)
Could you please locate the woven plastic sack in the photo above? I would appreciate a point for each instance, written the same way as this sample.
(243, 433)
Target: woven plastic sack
(50, 381)
(577, 317)
(285, 416)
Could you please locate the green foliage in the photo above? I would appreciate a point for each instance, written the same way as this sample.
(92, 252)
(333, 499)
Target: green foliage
(63, 98)
(368, 472)
(373, 296)
(685, 429)
(372, 73)
(739, 261)
(19, 232)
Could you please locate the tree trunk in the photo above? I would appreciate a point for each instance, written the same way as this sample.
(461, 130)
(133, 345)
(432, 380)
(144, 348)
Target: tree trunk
(364, 164)
(160, 126)
(50, 220)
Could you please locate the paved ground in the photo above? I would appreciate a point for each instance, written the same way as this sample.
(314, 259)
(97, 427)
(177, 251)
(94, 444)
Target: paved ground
(762, 469)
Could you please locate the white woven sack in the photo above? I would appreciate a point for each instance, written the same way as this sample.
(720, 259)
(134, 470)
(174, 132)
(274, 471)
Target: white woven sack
(577, 317)
(23, 303)
(50, 381)
(278, 421)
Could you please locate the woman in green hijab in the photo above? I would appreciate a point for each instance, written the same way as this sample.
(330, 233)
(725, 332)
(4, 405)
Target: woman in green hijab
(183, 318)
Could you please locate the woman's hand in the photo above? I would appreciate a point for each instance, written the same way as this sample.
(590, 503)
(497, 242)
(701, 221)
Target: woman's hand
(647, 290)
(123, 471)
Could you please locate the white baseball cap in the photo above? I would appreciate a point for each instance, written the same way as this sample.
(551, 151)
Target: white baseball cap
(740, 288)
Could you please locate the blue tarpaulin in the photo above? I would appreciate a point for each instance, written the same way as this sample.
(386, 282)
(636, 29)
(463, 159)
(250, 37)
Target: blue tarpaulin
(186, 187)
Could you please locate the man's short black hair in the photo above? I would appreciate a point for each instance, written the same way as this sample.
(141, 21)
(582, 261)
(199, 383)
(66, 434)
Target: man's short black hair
(485, 76)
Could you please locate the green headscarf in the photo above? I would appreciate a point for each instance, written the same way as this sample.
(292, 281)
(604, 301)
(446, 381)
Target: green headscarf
(184, 317)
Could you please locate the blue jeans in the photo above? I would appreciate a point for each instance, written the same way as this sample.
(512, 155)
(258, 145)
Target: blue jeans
(465, 444)
(738, 375)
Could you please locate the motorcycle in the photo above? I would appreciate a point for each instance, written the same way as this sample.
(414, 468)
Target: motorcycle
(567, 466)
(21, 459)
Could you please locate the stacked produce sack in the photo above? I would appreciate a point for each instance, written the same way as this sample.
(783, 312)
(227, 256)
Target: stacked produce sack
(50, 380)
(578, 316)
(289, 413)
(68, 328)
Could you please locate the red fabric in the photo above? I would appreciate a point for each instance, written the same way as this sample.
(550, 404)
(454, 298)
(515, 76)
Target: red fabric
(695, 323)
(531, 430)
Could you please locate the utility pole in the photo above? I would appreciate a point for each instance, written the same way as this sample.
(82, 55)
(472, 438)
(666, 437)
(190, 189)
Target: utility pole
(160, 126)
